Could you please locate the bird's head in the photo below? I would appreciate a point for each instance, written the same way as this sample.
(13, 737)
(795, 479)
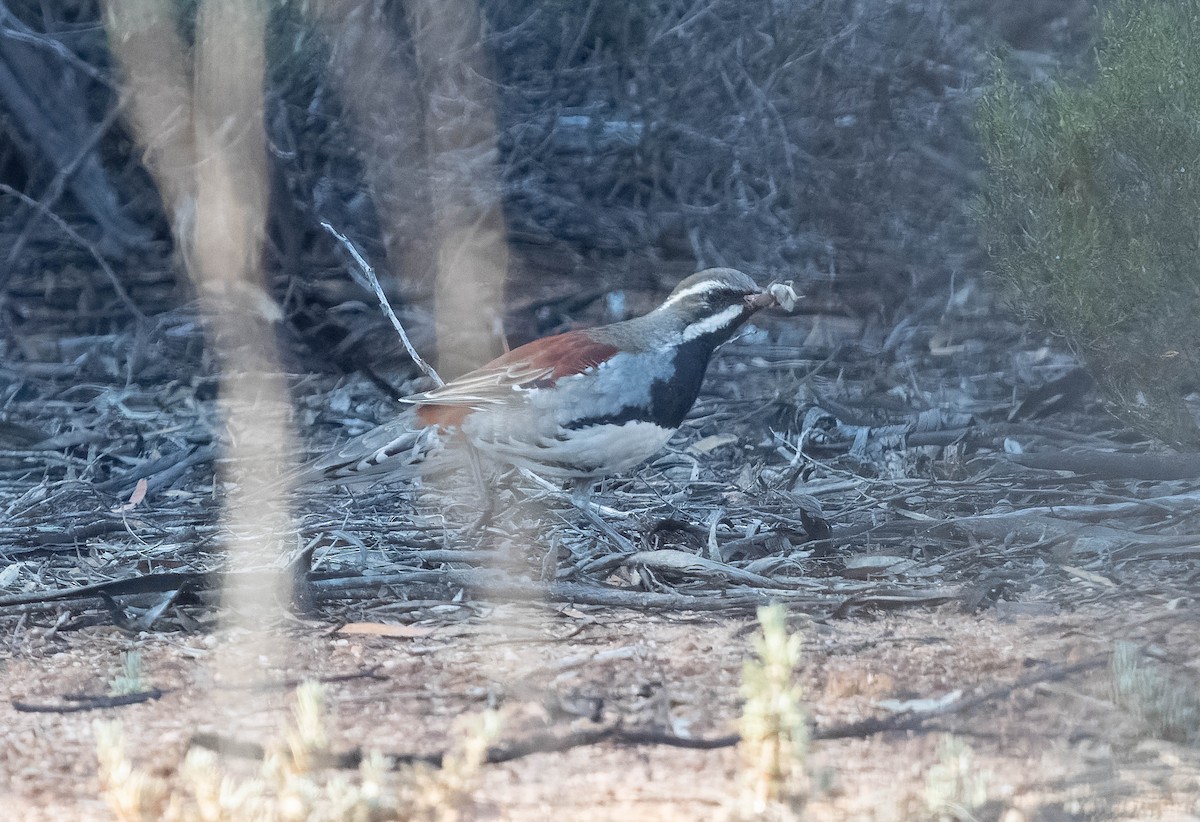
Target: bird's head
(712, 304)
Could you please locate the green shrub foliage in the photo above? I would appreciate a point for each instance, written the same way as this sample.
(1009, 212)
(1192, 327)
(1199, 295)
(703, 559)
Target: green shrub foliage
(1091, 208)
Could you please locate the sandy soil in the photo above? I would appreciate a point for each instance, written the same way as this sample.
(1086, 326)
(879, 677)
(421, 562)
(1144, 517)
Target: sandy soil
(1057, 749)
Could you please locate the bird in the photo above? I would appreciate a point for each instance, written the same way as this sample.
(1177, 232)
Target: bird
(579, 405)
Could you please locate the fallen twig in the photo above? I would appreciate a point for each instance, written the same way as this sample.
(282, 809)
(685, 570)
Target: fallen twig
(113, 279)
(86, 702)
(617, 733)
(144, 584)
(369, 273)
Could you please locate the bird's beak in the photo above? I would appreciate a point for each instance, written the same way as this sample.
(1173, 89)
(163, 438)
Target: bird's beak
(759, 299)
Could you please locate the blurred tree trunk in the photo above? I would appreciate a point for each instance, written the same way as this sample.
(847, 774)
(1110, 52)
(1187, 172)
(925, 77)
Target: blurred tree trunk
(200, 125)
(231, 161)
(156, 65)
(199, 116)
(373, 67)
(460, 127)
(424, 111)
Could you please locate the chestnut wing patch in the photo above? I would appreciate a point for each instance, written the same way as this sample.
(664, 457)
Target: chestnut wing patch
(447, 416)
(564, 354)
(539, 364)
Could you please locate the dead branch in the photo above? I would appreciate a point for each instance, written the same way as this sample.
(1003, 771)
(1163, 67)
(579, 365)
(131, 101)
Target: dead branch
(618, 734)
(77, 703)
(369, 274)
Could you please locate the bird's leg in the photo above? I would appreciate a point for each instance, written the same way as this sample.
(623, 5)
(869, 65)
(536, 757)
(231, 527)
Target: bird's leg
(581, 499)
(578, 498)
(486, 498)
(476, 472)
(581, 492)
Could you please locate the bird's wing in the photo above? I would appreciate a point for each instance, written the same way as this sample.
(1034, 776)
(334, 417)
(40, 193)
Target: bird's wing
(538, 364)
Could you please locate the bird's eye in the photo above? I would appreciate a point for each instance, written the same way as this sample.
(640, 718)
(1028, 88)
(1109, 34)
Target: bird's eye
(722, 298)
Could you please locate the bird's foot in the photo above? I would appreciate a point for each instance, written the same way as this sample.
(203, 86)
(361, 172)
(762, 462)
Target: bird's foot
(580, 498)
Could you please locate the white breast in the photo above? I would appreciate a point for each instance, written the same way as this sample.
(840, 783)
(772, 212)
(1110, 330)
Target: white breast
(584, 452)
(536, 432)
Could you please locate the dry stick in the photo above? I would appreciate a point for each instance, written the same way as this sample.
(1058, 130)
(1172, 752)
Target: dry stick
(616, 733)
(14, 29)
(369, 273)
(55, 190)
(432, 584)
(74, 235)
(146, 584)
(87, 702)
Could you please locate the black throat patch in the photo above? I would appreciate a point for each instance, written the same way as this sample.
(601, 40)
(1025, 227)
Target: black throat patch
(671, 398)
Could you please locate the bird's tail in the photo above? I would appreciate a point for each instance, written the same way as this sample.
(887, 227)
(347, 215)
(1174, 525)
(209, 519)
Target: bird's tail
(398, 450)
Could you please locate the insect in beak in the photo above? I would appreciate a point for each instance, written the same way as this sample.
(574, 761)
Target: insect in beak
(780, 294)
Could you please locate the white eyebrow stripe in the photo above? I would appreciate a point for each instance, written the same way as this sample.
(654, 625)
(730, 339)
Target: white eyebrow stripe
(714, 322)
(705, 287)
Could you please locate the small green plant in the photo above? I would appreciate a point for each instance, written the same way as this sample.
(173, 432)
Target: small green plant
(131, 679)
(293, 781)
(1090, 203)
(955, 788)
(774, 725)
(1166, 706)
